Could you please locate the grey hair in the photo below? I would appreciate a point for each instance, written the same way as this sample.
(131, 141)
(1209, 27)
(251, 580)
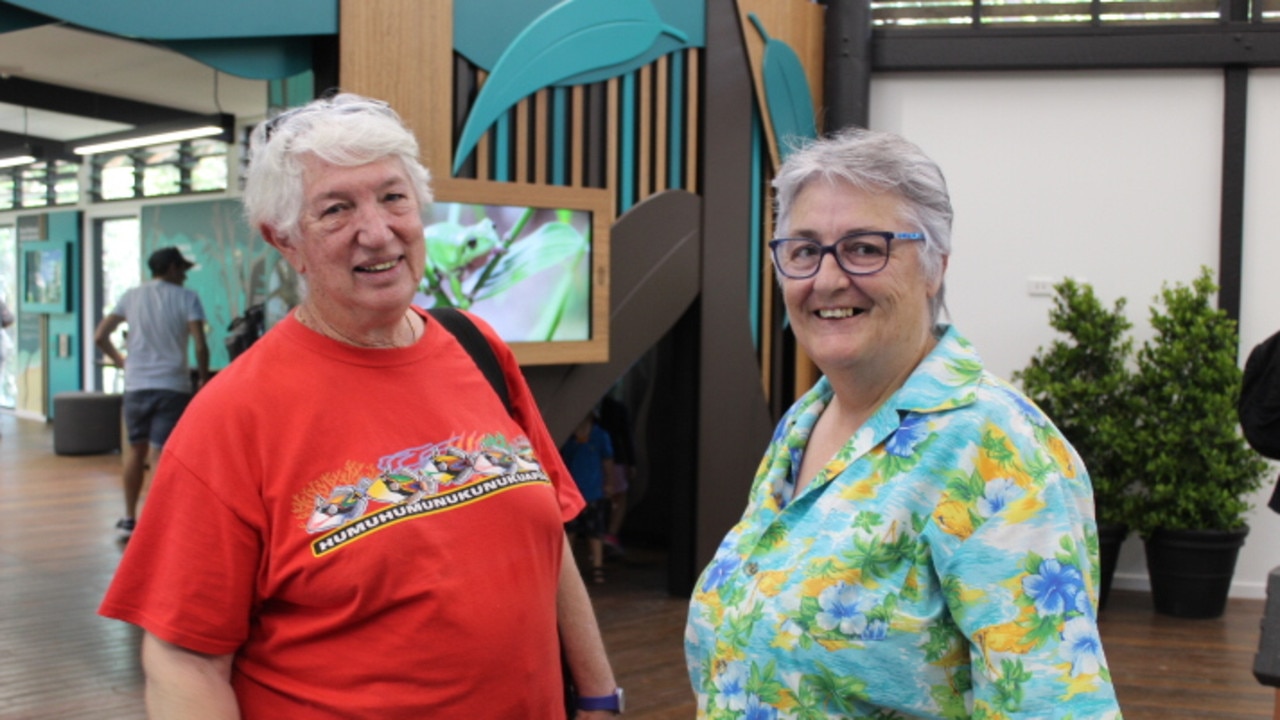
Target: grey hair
(877, 162)
(346, 130)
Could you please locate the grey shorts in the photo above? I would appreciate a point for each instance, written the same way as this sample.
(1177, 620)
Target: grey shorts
(149, 415)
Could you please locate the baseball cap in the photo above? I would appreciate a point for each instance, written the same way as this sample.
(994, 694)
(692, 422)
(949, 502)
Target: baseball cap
(161, 259)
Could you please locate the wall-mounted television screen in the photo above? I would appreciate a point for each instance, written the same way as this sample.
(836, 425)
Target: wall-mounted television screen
(532, 261)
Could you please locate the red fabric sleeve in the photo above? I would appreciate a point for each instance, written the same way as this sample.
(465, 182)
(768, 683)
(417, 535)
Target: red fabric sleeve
(203, 606)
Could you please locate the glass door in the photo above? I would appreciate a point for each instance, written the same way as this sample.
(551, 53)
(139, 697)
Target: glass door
(8, 337)
(119, 268)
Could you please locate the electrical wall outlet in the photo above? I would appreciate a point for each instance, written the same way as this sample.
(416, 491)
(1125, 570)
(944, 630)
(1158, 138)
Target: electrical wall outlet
(1039, 286)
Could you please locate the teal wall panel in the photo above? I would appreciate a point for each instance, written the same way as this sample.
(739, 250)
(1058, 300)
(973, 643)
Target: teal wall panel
(292, 91)
(502, 130)
(65, 343)
(247, 38)
(15, 18)
(252, 58)
(676, 108)
(234, 267)
(559, 136)
(169, 20)
(627, 144)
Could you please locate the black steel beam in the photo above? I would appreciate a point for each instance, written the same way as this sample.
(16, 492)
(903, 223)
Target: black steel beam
(847, 67)
(10, 140)
(84, 103)
(1231, 214)
(1076, 48)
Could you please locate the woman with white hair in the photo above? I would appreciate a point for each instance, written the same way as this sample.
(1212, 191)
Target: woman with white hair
(347, 522)
(919, 540)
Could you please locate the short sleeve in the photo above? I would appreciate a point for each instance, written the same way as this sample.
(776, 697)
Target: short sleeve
(188, 574)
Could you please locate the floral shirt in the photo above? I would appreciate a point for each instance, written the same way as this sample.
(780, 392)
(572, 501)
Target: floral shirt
(942, 565)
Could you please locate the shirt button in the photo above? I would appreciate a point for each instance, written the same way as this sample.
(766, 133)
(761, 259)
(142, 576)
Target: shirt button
(752, 568)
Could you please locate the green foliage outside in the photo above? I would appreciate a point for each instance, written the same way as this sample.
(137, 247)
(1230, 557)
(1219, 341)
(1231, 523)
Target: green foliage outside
(1082, 382)
(1193, 465)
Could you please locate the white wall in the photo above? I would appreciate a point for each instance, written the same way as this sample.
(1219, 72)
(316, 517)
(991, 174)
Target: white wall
(1259, 302)
(1112, 177)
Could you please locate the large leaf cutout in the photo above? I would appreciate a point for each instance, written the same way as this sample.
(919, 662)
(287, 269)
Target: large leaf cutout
(572, 38)
(786, 93)
(482, 29)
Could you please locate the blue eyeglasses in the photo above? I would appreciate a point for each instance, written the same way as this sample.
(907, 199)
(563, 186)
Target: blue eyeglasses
(861, 253)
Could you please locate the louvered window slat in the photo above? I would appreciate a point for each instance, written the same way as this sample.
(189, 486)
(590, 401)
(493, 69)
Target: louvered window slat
(952, 13)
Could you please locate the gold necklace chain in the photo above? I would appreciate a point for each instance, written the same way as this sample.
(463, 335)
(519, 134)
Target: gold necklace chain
(311, 320)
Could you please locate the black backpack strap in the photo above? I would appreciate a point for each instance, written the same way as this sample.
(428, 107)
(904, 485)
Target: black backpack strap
(477, 346)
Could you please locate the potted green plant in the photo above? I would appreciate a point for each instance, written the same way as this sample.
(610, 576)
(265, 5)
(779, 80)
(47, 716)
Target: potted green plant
(1196, 469)
(1082, 382)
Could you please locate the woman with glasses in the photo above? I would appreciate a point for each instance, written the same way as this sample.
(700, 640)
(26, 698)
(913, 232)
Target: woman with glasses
(347, 522)
(919, 540)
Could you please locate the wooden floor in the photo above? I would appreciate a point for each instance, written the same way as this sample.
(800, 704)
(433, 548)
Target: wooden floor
(60, 661)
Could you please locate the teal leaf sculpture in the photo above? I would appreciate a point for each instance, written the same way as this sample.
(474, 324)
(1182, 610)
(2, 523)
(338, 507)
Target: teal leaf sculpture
(572, 38)
(482, 30)
(786, 92)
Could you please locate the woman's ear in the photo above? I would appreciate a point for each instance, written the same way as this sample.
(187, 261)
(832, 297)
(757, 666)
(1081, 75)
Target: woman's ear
(285, 245)
(936, 285)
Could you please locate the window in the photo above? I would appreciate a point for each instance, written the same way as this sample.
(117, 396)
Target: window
(66, 183)
(191, 166)
(8, 188)
(39, 185)
(1011, 13)
(8, 293)
(208, 165)
(162, 170)
(119, 244)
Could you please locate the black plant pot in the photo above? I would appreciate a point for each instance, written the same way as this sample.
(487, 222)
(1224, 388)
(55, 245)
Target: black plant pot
(1191, 570)
(1110, 538)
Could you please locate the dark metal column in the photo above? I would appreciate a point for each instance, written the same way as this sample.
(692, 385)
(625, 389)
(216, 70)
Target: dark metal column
(1235, 81)
(733, 419)
(1231, 230)
(847, 65)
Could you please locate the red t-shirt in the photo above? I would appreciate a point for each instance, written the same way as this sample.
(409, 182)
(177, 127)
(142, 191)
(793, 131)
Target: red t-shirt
(367, 530)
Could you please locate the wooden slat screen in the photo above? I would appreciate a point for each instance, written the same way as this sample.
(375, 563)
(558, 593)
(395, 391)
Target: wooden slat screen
(635, 135)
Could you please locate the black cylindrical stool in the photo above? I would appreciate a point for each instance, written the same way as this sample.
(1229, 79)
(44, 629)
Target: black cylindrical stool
(86, 423)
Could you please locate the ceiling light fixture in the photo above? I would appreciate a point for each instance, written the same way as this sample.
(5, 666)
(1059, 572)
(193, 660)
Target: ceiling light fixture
(23, 154)
(20, 155)
(220, 126)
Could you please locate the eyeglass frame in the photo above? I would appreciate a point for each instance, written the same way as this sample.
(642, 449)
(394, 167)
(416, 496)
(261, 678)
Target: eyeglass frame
(823, 250)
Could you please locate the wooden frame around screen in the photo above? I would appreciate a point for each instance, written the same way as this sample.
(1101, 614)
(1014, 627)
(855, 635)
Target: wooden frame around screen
(594, 201)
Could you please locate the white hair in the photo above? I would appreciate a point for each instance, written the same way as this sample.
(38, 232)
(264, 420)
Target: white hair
(347, 130)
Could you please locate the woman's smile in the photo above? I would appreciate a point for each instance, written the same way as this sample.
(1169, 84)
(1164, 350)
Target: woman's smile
(839, 313)
(380, 267)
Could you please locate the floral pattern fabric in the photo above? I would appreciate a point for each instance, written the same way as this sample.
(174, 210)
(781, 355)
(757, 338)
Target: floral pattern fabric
(942, 565)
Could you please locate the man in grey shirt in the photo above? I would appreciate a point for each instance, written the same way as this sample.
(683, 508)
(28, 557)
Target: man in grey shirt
(161, 315)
